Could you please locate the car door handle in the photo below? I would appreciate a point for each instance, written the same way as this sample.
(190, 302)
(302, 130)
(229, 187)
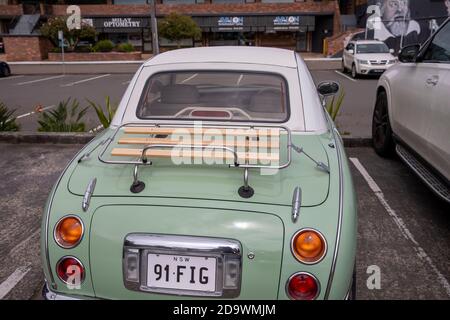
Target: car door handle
(432, 81)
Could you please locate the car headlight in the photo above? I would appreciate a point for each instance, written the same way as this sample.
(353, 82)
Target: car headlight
(363, 62)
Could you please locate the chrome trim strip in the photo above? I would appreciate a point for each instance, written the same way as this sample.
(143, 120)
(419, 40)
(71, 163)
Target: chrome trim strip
(221, 249)
(340, 217)
(300, 273)
(82, 231)
(324, 241)
(47, 221)
(48, 294)
(296, 203)
(88, 194)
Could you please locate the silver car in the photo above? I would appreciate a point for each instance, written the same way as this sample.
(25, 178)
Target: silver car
(367, 57)
(412, 111)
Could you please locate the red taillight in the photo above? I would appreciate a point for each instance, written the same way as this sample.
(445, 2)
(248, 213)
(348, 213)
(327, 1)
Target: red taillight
(303, 286)
(70, 270)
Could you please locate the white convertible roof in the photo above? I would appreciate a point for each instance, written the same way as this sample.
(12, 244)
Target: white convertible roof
(227, 54)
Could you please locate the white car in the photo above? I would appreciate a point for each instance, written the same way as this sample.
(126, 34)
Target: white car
(367, 57)
(412, 111)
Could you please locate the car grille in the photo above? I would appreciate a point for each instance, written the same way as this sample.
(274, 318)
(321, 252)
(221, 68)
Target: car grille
(378, 62)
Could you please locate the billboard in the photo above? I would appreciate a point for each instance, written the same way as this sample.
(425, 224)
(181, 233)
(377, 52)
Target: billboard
(402, 22)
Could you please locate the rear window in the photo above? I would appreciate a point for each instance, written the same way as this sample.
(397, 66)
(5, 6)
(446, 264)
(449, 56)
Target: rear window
(215, 95)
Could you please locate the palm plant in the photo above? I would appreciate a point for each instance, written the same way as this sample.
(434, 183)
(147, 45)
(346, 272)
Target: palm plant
(64, 118)
(7, 121)
(105, 118)
(334, 105)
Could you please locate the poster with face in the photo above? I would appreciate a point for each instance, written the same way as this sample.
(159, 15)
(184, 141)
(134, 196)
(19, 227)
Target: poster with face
(402, 22)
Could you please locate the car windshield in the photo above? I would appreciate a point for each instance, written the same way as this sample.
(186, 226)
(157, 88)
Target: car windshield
(215, 95)
(372, 48)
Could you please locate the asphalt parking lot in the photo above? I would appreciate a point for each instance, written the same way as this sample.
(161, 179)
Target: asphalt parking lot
(404, 230)
(25, 92)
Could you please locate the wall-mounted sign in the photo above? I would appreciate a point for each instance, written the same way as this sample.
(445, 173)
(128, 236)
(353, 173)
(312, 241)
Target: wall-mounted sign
(122, 23)
(230, 21)
(286, 21)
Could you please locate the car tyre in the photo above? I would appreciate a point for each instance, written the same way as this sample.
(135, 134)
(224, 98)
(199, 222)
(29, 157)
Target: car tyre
(7, 72)
(382, 138)
(344, 69)
(354, 72)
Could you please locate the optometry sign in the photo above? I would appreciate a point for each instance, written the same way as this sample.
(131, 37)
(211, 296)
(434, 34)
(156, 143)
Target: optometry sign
(122, 23)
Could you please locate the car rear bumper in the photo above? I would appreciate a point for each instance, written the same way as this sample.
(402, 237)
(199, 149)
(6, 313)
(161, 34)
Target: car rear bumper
(48, 294)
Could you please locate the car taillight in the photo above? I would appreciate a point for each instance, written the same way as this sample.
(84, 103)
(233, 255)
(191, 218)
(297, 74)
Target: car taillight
(68, 232)
(70, 270)
(302, 286)
(309, 246)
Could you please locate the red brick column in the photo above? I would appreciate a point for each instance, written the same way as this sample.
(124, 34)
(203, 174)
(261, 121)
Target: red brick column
(26, 48)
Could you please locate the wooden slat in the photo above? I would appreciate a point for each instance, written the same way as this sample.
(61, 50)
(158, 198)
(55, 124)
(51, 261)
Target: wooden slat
(239, 143)
(158, 153)
(235, 132)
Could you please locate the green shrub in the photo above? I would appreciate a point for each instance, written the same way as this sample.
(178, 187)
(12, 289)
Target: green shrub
(63, 118)
(7, 121)
(104, 46)
(334, 105)
(125, 47)
(105, 118)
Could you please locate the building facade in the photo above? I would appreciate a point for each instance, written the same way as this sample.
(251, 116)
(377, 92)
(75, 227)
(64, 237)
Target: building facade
(300, 25)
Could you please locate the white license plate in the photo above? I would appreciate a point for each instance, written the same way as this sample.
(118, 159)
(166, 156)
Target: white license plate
(181, 272)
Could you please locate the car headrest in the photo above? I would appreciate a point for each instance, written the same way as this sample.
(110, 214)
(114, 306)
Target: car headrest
(268, 101)
(179, 93)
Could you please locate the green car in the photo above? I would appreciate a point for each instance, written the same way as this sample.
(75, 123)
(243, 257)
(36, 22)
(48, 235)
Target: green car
(221, 177)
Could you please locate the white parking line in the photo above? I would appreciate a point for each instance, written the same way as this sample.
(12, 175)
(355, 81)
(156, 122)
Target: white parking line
(345, 76)
(39, 80)
(9, 78)
(85, 80)
(400, 224)
(13, 280)
(33, 112)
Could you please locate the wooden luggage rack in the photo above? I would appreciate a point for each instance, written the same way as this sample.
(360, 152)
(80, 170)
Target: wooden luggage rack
(240, 147)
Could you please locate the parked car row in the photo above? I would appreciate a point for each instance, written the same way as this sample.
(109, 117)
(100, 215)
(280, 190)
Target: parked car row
(222, 176)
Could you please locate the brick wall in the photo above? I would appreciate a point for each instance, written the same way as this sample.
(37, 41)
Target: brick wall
(26, 48)
(204, 9)
(336, 43)
(10, 10)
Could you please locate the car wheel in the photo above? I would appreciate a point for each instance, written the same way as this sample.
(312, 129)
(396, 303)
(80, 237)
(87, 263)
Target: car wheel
(383, 141)
(6, 71)
(354, 72)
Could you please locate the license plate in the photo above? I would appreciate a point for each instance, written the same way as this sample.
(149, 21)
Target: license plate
(181, 272)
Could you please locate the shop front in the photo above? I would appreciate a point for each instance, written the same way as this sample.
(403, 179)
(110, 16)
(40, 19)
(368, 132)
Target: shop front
(133, 30)
(290, 32)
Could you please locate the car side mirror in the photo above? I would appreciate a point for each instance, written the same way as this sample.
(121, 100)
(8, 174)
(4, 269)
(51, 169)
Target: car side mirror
(351, 51)
(391, 51)
(328, 88)
(409, 53)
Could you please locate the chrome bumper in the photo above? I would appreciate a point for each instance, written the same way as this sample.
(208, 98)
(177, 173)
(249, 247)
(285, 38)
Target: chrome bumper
(47, 294)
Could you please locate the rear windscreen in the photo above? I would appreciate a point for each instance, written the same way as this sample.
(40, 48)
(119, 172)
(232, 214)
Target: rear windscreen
(215, 95)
